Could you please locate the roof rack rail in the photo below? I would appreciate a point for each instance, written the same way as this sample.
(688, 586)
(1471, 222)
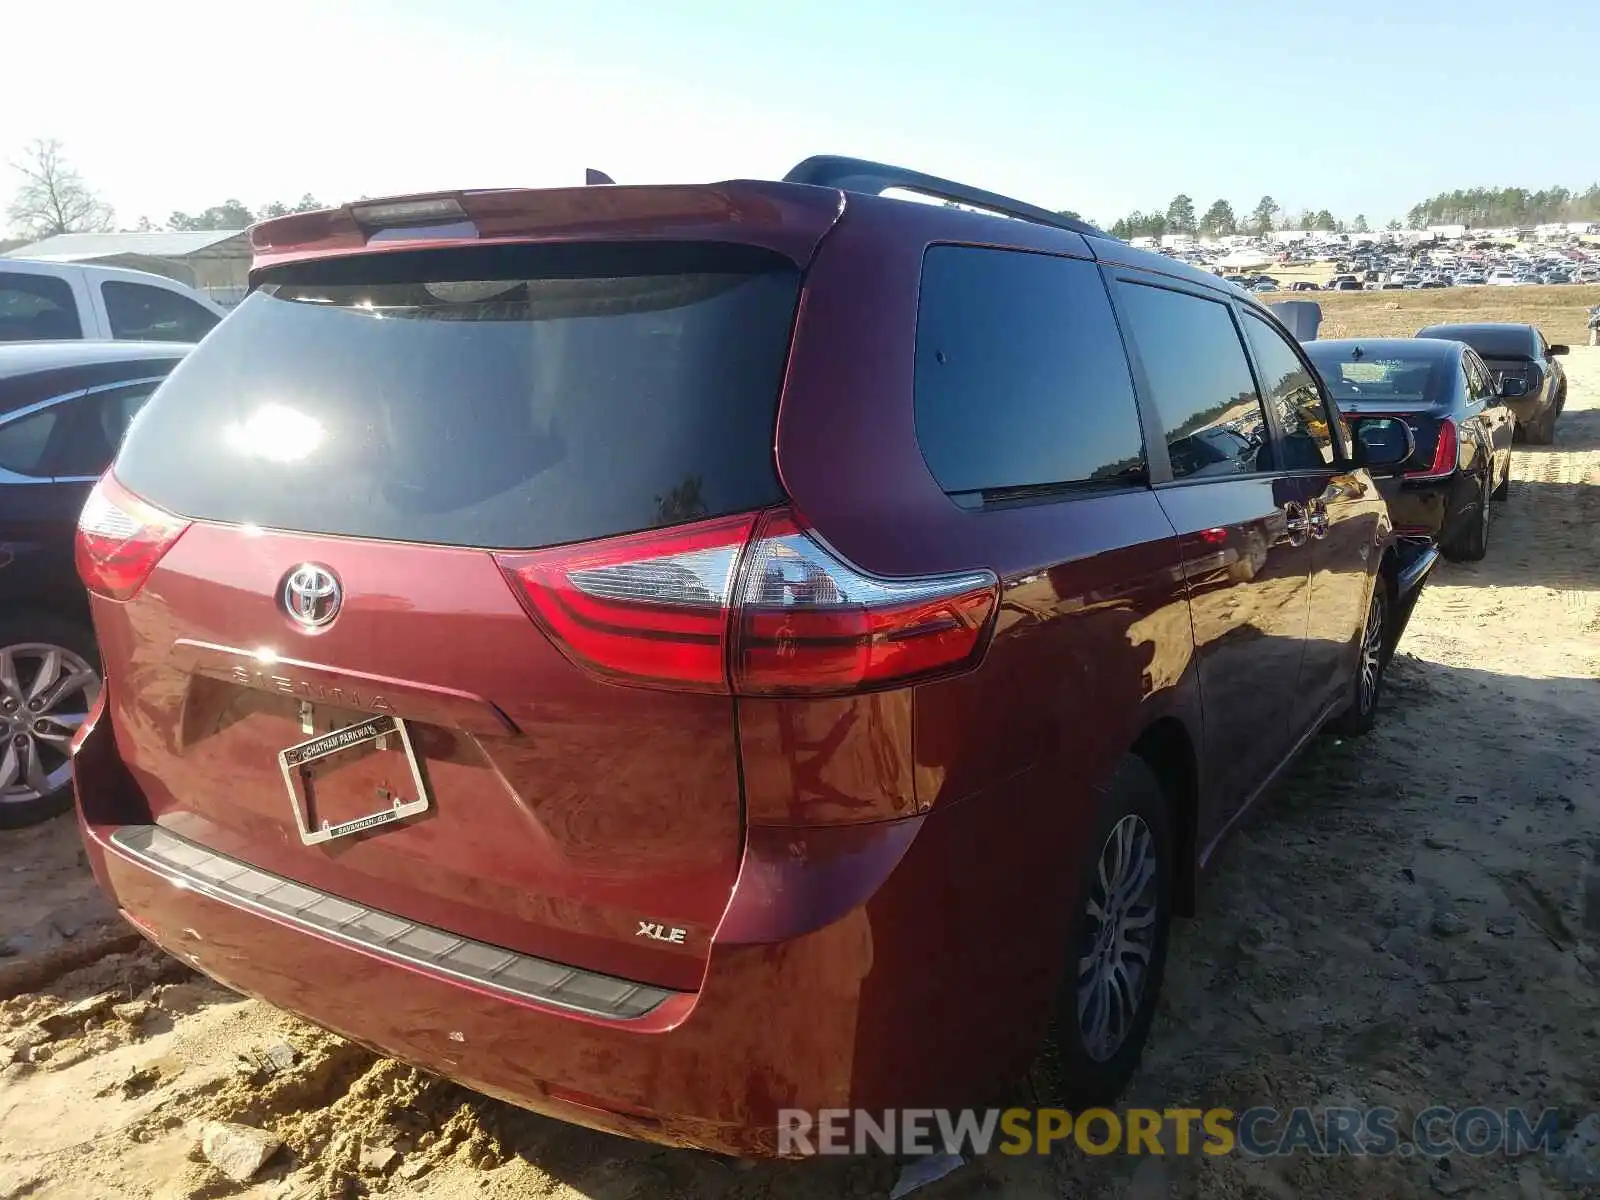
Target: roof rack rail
(873, 178)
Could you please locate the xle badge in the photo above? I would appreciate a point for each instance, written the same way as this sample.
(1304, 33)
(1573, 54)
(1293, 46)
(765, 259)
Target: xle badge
(660, 933)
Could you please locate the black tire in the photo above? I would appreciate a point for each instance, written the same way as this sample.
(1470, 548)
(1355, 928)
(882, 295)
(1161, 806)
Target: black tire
(27, 628)
(1467, 539)
(1503, 490)
(1366, 692)
(1071, 1071)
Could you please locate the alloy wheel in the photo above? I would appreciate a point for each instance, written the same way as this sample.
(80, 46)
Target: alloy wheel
(1372, 653)
(1119, 938)
(45, 695)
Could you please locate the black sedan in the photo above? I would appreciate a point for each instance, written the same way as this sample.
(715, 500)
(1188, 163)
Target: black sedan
(1518, 352)
(1461, 423)
(64, 407)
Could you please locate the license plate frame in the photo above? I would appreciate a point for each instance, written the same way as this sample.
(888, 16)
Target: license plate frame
(294, 760)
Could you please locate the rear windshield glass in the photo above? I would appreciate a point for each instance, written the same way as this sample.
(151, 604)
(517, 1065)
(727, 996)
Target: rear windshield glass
(1393, 380)
(498, 397)
(1511, 342)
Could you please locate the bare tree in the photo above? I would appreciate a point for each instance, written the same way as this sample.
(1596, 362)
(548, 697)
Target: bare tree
(52, 197)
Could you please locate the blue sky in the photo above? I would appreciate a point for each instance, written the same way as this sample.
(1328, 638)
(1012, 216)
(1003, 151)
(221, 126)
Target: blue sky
(1359, 107)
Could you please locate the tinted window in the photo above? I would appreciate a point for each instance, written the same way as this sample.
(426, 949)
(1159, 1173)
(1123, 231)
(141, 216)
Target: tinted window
(142, 313)
(97, 424)
(1199, 381)
(500, 397)
(24, 441)
(1292, 392)
(1021, 379)
(1479, 388)
(37, 308)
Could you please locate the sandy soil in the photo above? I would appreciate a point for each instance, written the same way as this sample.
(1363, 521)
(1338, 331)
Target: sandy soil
(1404, 923)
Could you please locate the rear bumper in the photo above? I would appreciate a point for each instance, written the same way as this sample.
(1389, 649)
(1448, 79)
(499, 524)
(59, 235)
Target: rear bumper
(830, 984)
(1426, 506)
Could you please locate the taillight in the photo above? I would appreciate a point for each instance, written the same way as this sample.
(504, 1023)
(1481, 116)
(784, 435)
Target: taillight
(121, 539)
(750, 606)
(809, 622)
(1444, 453)
(647, 608)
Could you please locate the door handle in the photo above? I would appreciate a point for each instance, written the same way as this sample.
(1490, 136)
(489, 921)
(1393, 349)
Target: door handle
(1296, 522)
(1317, 518)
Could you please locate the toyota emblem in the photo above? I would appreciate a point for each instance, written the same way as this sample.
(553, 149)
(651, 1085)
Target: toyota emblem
(312, 595)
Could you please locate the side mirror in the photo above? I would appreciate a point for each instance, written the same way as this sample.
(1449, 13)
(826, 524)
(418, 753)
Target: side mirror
(1558, 349)
(1511, 388)
(1383, 445)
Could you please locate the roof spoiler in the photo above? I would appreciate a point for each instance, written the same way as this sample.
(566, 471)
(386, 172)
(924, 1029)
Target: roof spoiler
(875, 178)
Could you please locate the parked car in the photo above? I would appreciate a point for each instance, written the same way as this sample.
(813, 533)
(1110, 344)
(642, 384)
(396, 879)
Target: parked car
(55, 301)
(1513, 351)
(63, 410)
(505, 678)
(1459, 423)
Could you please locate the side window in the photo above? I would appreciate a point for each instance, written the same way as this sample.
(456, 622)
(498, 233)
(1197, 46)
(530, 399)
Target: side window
(1199, 380)
(37, 308)
(1478, 387)
(97, 425)
(140, 312)
(1021, 380)
(25, 441)
(1292, 392)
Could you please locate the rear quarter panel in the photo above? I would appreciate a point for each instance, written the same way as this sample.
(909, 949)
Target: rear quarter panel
(1092, 642)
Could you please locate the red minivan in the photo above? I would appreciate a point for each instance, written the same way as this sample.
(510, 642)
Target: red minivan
(661, 655)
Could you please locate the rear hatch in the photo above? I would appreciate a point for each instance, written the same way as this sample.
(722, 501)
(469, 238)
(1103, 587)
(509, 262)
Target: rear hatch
(343, 457)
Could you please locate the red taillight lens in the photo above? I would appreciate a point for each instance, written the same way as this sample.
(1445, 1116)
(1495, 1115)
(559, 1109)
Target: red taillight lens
(677, 609)
(649, 608)
(807, 622)
(121, 539)
(1444, 453)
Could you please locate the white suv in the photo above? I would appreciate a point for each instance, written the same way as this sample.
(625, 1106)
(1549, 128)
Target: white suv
(55, 301)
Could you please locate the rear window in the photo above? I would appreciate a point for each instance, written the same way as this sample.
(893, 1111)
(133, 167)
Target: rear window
(505, 397)
(1404, 382)
(1021, 379)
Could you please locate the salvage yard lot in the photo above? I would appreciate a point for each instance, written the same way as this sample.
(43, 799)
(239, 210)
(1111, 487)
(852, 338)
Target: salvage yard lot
(1560, 309)
(1402, 924)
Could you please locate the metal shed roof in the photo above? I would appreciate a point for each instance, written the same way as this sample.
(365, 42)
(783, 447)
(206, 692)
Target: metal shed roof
(81, 247)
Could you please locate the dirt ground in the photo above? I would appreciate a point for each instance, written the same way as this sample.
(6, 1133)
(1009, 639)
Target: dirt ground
(1404, 923)
(1561, 310)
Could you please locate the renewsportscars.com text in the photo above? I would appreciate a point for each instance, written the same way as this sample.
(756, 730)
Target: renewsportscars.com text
(1255, 1132)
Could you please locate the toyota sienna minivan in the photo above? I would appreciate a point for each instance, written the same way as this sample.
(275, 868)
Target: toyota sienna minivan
(663, 655)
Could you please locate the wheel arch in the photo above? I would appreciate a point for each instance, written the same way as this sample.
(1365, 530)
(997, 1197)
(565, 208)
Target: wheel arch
(1167, 747)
